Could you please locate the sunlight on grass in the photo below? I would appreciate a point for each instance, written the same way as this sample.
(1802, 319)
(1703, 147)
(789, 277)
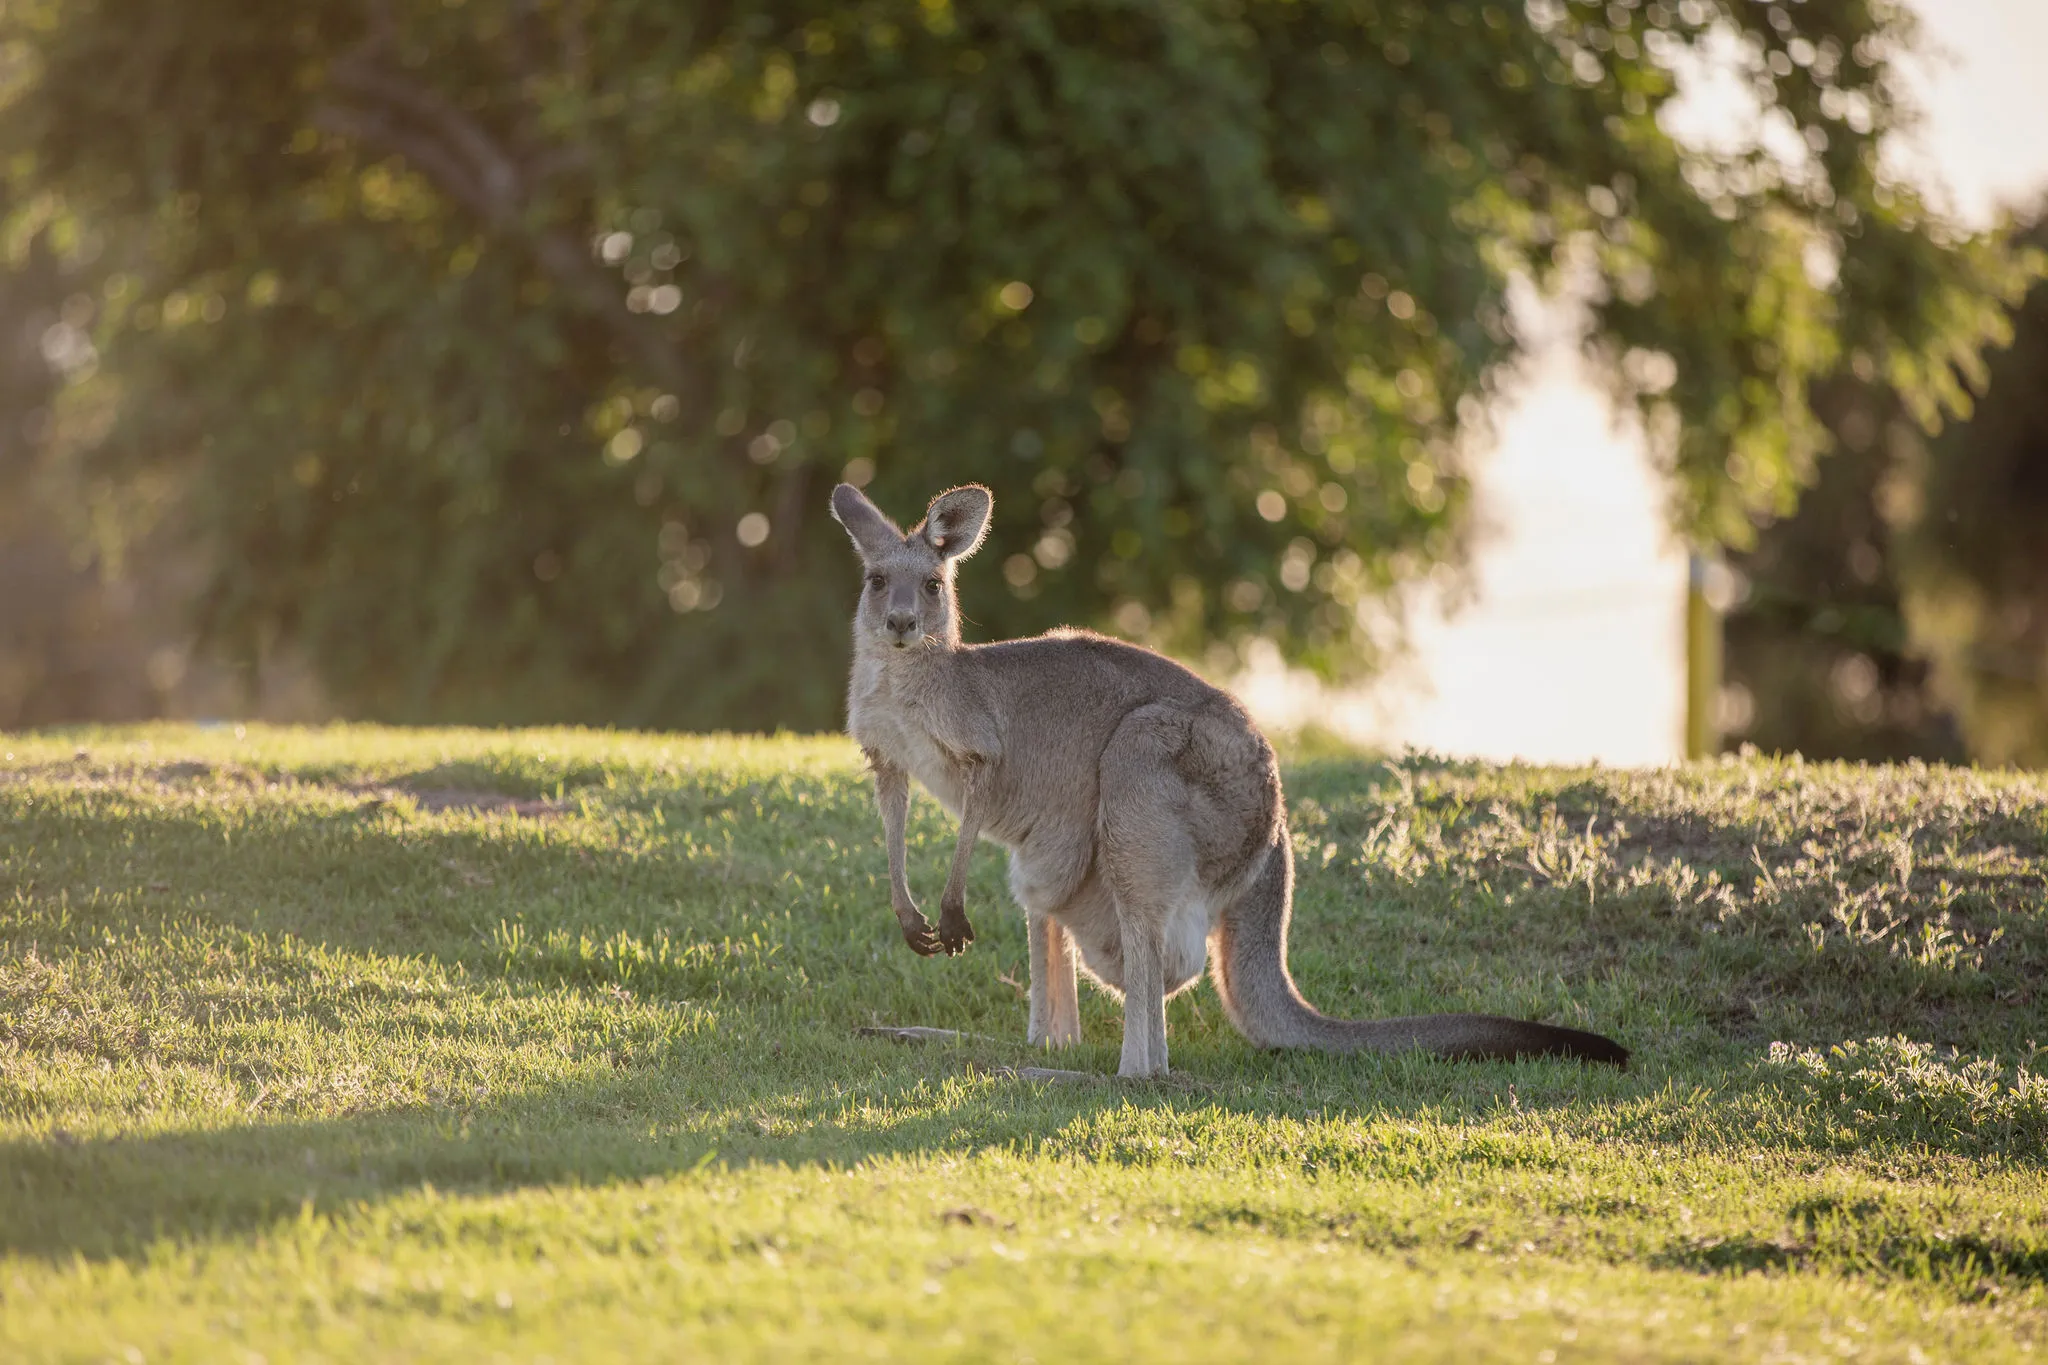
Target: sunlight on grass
(362, 1042)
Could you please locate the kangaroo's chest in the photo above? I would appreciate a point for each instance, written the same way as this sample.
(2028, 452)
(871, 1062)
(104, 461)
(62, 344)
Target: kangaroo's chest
(897, 729)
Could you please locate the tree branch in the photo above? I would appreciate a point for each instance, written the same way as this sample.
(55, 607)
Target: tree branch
(369, 102)
(493, 169)
(429, 158)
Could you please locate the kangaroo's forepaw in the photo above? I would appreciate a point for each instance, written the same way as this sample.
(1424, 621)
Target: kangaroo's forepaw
(955, 933)
(917, 932)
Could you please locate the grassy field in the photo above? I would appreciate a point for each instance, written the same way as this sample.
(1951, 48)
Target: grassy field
(373, 1044)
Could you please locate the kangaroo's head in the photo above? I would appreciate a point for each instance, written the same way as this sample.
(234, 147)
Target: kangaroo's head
(907, 600)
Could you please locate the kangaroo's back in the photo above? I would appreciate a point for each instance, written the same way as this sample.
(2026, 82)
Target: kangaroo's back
(1065, 692)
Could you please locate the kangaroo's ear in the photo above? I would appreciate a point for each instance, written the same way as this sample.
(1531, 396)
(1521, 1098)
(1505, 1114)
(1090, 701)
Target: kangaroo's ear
(957, 520)
(873, 534)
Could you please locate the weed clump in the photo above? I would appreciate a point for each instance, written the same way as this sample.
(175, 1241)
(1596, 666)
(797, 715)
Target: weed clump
(1898, 1090)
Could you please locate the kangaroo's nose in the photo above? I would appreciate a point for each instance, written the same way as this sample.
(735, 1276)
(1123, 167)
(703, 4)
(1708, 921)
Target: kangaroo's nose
(902, 622)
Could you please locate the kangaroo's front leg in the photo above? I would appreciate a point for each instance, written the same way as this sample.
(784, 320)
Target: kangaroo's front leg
(892, 789)
(955, 933)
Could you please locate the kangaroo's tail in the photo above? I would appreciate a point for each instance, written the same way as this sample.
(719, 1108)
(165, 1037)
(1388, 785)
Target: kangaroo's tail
(1261, 999)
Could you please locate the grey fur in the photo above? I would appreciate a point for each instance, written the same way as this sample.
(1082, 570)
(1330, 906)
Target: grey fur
(1140, 806)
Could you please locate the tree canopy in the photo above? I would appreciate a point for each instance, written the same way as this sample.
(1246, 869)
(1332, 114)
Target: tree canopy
(499, 353)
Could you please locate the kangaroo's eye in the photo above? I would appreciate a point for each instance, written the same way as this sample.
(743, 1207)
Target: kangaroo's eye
(931, 585)
(877, 582)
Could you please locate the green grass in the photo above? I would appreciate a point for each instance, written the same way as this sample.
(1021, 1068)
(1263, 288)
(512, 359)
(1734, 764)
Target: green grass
(299, 1060)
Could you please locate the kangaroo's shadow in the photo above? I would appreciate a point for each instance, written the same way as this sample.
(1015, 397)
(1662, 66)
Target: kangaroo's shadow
(65, 1195)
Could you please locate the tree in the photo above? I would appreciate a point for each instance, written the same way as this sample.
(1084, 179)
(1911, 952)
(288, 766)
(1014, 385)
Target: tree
(1903, 611)
(1970, 511)
(1820, 658)
(504, 350)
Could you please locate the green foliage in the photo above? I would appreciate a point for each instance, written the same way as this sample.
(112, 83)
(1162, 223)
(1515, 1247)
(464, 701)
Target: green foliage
(1894, 1086)
(1974, 550)
(1820, 658)
(473, 332)
(1903, 611)
(414, 1044)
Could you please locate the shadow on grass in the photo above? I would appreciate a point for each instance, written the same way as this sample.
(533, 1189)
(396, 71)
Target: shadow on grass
(101, 1197)
(119, 1198)
(330, 877)
(629, 902)
(1974, 1261)
(113, 1196)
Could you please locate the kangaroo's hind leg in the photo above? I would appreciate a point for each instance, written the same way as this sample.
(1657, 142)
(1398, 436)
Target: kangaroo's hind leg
(1044, 876)
(1147, 854)
(1144, 1050)
(1055, 997)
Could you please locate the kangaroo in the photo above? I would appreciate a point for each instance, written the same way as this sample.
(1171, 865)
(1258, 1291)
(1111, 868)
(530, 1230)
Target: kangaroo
(1140, 806)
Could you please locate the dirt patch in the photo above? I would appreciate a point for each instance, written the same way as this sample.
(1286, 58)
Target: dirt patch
(432, 798)
(438, 799)
(192, 771)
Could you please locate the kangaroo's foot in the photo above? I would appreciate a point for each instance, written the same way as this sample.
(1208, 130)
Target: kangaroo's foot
(1059, 1033)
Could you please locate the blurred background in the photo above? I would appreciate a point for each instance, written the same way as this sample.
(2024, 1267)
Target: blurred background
(1547, 380)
